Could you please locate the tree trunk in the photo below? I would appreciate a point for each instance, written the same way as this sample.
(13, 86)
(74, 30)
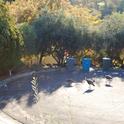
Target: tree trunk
(10, 72)
(40, 59)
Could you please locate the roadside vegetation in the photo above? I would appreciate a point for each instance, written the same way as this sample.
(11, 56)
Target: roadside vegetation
(30, 30)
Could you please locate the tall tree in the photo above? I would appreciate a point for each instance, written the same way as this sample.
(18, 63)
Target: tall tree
(10, 40)
(112, 28)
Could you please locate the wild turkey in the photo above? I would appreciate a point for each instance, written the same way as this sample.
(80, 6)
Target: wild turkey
(90, 82)
(108, 78)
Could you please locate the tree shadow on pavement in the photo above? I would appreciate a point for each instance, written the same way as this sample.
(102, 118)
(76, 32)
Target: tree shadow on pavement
(49, 82)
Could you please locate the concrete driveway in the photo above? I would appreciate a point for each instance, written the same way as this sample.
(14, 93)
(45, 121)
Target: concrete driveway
(5, 119)
(65, 99)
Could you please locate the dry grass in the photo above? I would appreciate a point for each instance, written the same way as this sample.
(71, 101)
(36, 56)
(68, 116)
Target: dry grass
(33, 59)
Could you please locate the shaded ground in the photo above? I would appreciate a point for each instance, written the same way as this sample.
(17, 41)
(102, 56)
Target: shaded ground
(66, 99)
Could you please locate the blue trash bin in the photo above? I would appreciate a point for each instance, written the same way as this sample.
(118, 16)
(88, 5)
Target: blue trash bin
(70, 64)
(86, 63)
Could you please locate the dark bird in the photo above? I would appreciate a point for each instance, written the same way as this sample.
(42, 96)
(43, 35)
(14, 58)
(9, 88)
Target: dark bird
(90, 82)
(108, 78)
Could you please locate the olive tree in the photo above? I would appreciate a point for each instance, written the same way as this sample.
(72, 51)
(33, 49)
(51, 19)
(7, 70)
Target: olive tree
(56, 33)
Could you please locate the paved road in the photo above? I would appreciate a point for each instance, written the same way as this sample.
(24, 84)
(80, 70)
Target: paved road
(5, 119)
(61, 103)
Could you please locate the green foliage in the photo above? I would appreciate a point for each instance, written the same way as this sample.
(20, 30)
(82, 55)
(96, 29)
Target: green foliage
(10, 40)
(109, 41)
(105, 7)
(121, 6)
(43, 27)
(55, 34)
(112, 29)
(51, 27)
(24, 10)
(29, 37)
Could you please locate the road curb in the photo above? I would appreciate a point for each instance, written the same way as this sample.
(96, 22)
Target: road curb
(6, 119)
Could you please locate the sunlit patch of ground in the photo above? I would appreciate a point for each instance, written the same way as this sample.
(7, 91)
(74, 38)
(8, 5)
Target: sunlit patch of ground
(74, 103)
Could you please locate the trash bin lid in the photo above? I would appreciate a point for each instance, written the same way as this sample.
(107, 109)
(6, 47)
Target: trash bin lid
(106, 58)
(86, 58)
